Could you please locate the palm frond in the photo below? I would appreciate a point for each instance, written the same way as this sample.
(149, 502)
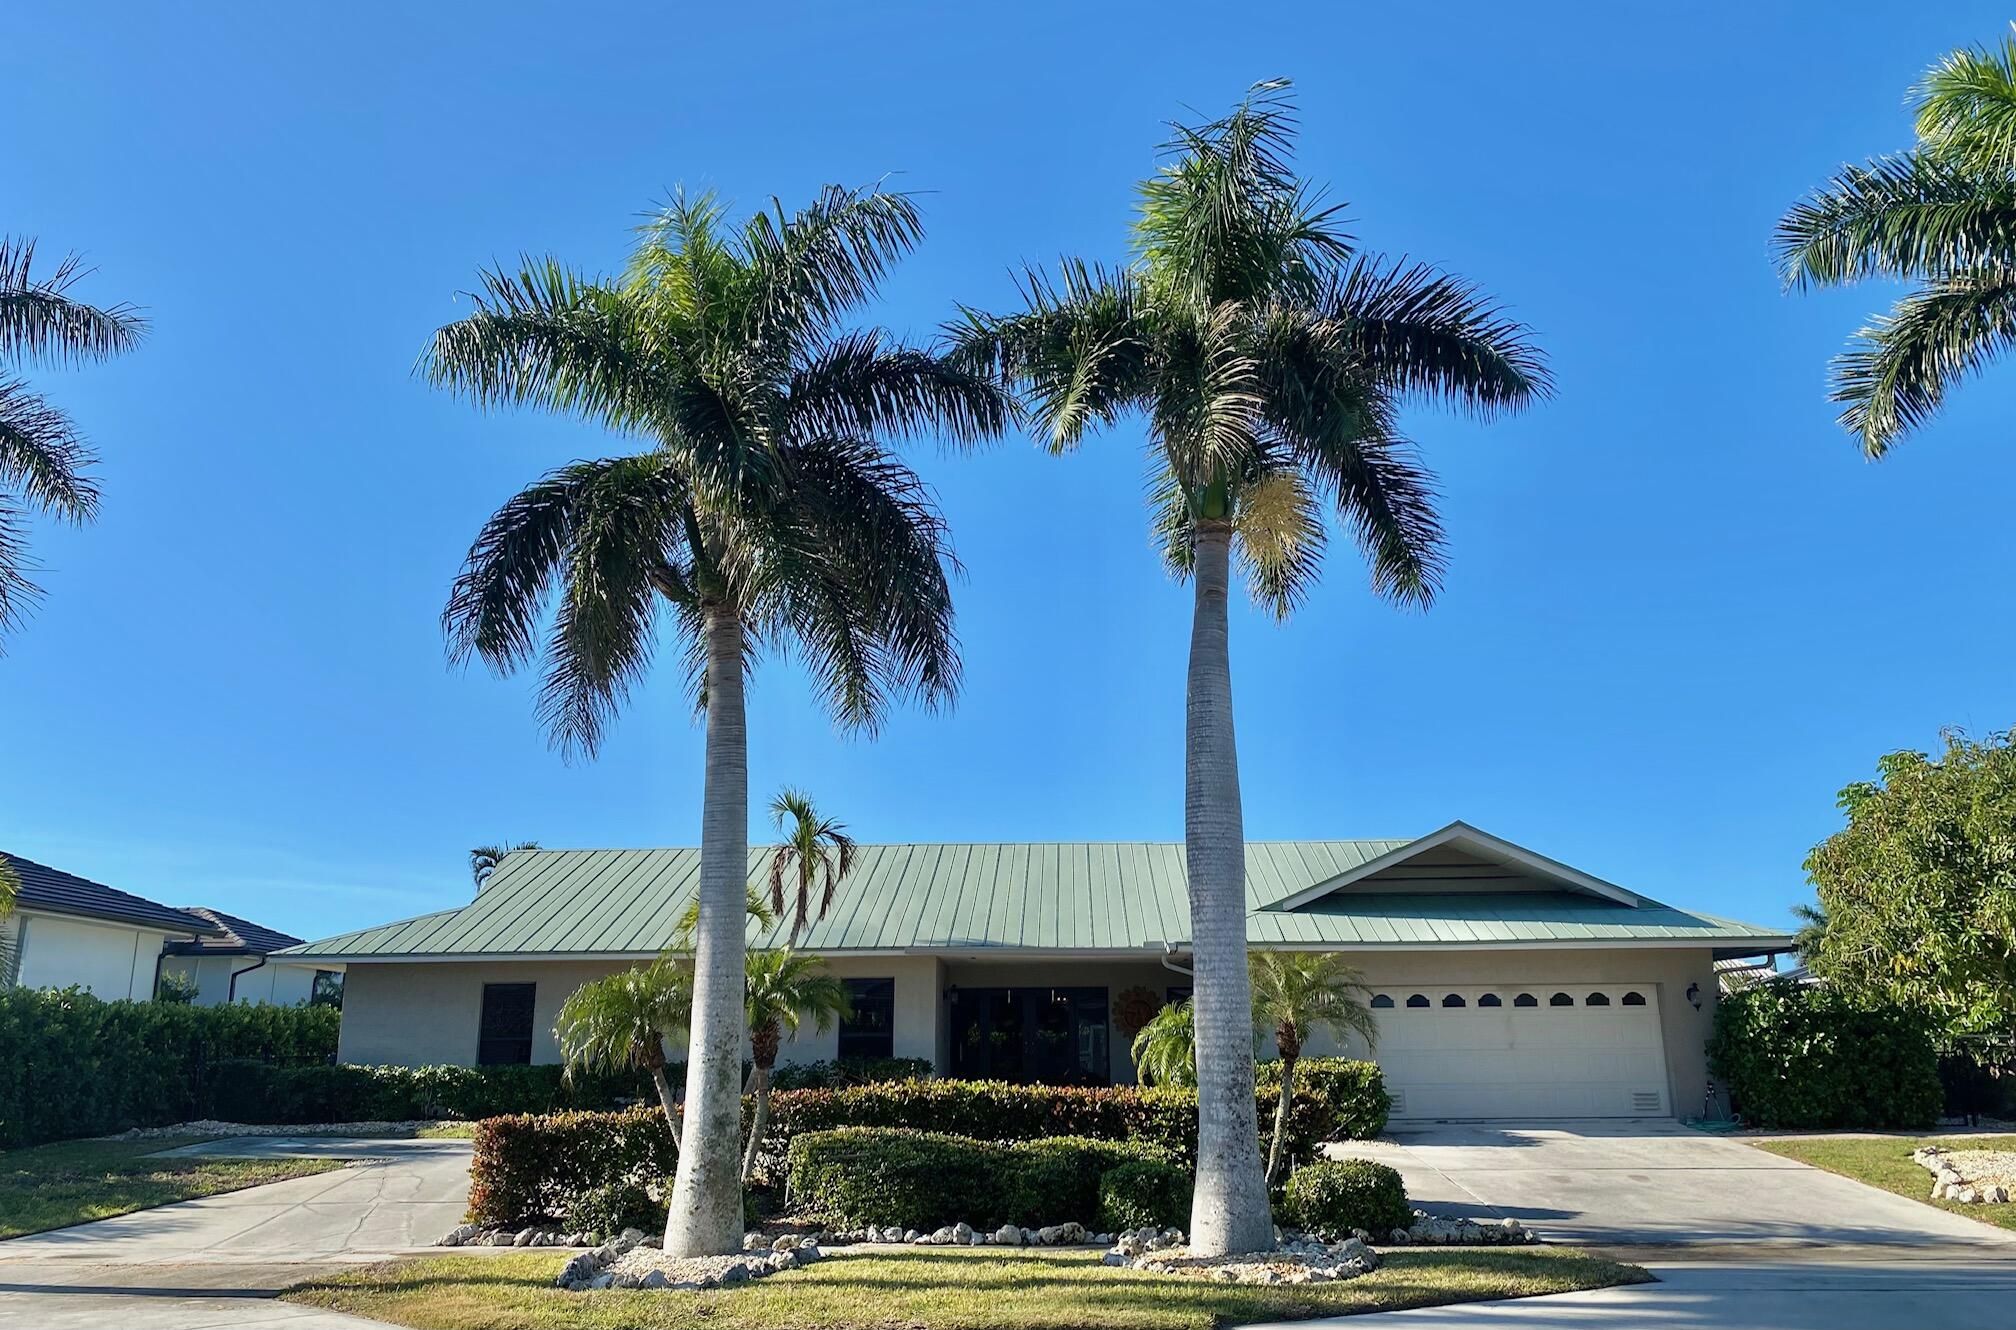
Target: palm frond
(1310, 991)
(1279, 525)
(42, 457)
(1424, 333)
(809, 268)
(41, 321)
(788, 989)
(1165, 1049)
(1206, 401)
(864, 384)
(484, 860)
(18, 594)
(620, 1021)
(1898, 375)
(814, 853)
(1967, 106)
(1915, 214)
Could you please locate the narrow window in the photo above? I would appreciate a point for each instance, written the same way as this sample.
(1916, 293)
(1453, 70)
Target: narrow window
(1417, 1000)
(870, 1031)
(1634, 999)
(1596, 1000)
(1489, 1000)
(505, 1035)
(1383, 1001)
(1560, 1000)
(1454, 1000)
(1525, 1000)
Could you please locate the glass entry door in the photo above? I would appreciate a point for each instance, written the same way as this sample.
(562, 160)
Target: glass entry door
(1051, 1036)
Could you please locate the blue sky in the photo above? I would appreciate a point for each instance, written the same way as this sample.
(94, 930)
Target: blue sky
(1681, 612)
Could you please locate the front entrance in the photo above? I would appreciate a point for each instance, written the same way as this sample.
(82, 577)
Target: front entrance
(1051, 1036)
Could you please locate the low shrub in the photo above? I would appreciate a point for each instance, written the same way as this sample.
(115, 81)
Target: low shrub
(530, 1167)
(833, 1074)
(1337, 1195)
(1144, 1195)
(1806, 1055)
(613, 1207)
(250, 1092)
(919, 1179)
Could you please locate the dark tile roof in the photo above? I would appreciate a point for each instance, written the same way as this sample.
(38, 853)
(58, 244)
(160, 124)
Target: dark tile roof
(241, 937)
(46, 888)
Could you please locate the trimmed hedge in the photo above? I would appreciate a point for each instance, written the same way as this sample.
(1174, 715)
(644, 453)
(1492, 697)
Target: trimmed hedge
(530, 1167)
(251, 1092)
(836, 1073)
(75, 1065)
(1333, 1197)
(1808, 1055)
(922, 1179)
(1145, 1195)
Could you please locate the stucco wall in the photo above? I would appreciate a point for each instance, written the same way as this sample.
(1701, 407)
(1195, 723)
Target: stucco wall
(113, 961)
(281, 985)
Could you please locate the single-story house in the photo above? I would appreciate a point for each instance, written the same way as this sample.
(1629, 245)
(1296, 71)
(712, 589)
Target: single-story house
(235, 964)
(67, 930)
(1505, 984)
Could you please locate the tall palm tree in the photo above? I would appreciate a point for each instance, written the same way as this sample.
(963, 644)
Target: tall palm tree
(1942, 215)
(1297, 994)
(44, 461)
(1270, 361)
(766, 510)
(622, 1020)
(487, 859)
(1165, 1049)
(784, 990)
(814, 852)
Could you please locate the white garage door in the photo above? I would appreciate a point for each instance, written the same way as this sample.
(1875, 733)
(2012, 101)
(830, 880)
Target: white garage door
(1581, 1051)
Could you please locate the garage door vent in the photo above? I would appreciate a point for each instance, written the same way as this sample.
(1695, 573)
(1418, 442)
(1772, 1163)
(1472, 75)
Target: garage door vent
(1399, 1098)
(1645, 1101)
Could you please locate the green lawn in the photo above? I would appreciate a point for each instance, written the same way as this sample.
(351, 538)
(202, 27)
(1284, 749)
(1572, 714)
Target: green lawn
(50, 1186)
(936, 1289)
(1886, 1162)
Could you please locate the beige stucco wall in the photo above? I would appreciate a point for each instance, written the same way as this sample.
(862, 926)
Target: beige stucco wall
(113, 961)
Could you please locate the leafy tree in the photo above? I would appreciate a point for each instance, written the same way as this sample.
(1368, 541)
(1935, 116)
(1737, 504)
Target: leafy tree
(784, 990)
(621, 1021)
(767, 511)
(1271, 361)
(815, 852)
(487, 859)
(44, 460)
(1165, 1049)
(177, 989)
(1918, 892)
(1297, 994)
(1941, 215)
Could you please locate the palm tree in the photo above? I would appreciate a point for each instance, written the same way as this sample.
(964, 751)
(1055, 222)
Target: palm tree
(815, 850)
(1941, 215)
(621, 1020)
(10, 892)
(1165, 1049)
(767, 511)
(1299, 993)
(1270, 361)
(487, 859)
(784, 990)
(44, 460)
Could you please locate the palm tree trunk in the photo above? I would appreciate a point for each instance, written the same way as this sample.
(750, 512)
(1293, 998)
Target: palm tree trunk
(1230, 1210)
(1281, 1117)
(759, 1122)
(705, 1218)
(666, 1101)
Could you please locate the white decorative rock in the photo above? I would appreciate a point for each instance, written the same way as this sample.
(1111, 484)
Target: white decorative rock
(1008, 1235)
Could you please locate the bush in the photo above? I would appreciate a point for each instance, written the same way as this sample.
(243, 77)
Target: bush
(75, 1065)
(1336, 1099)
(839, 1072)
(1337, 1195)
(1804, 1055)
(613, 1207)
(1144, 1195)
(918, 1179)
(530, 1168)
(250, 1092)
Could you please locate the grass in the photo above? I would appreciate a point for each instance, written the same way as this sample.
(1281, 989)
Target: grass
(1886, 1162)
(936, 1289)
(447, 1131)
(53, 1186)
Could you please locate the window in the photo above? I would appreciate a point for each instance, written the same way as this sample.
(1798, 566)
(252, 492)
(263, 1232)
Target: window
(328, 989)
(1634, 999)
(1417, 1000)
(1525, 1000)
(1596, 1000)
(506, 1033)
(1383, 1001)
(1454, 1000)
(870, 1032)
(1489, 1000)
(1560, 1000)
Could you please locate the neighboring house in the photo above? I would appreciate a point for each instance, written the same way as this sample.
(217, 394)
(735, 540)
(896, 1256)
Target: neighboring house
(67, 930)
(232, 964)
(1505, 984)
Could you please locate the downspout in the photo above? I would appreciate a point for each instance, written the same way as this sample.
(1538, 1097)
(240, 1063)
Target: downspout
(231, 992)
(1169, 961)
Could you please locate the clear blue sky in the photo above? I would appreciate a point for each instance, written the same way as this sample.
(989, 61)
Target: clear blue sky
(1681, 612)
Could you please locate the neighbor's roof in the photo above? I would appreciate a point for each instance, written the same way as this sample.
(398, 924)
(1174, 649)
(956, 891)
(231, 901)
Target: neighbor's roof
(239, 937)
(52, 889)
(1081, 896)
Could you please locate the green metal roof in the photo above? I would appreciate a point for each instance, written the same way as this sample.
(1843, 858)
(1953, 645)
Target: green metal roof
(969, 898)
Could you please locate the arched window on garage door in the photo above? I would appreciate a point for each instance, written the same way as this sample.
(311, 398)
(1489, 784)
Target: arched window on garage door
(1454, 1000)
(1383, 1001)
(1489, 1000)
(1560, 1000)
(1634, 999)
(1596, 1000)
(1525, 1000)
(1417, 1000)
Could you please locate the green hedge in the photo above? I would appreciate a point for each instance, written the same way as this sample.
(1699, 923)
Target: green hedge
(837, 1073)
(251, 1092)
(75, 1065)
(1806, 1055)
(1145, 1195)
(922, 1179)
(530, 1167)
(1333, 1197)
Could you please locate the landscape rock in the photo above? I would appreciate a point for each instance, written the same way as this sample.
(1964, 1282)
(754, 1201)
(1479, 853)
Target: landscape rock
(1008, 1235)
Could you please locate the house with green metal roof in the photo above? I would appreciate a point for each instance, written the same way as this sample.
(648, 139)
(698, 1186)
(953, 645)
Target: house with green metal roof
(1506, 984)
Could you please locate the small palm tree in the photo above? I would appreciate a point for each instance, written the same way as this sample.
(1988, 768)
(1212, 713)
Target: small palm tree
(621, 1021)
(1297, 994)
(767, 511)
(784, 990)
(44, 460)
(486, 859)
(1165, 1049)
(10, 893)
(1271, 361)
(814, 851)
(1942, 215)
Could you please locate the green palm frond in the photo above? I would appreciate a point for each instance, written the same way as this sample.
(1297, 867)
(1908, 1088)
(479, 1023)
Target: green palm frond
(42, 457)
(484, 860)
(42, 323)
(621, 1020)
(814, 854)
(864, 384)
(785, 989)
(1297, 993)
(10, 886)
(755, 907)
(1967, 106)
(1904, 363)
(1427, 334)
(1165, 1049)
(1906, 216)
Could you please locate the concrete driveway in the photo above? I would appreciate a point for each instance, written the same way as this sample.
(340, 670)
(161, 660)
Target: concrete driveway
(1655, 1181)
